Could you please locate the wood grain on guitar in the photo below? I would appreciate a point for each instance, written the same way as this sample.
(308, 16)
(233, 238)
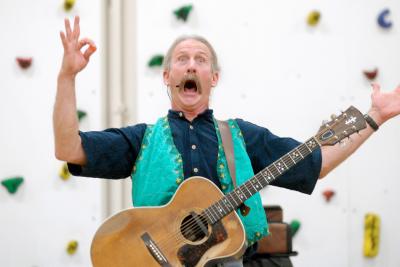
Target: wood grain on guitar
(198, 226)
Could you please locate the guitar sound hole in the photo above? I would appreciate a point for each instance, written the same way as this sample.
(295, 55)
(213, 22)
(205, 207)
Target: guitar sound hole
(194, 229)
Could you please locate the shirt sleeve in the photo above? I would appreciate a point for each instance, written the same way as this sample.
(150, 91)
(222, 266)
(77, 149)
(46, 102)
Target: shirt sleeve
(264, 148)
(110, 153)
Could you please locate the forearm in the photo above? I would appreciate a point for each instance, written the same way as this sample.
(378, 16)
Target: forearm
(68, 145)
(332, 156)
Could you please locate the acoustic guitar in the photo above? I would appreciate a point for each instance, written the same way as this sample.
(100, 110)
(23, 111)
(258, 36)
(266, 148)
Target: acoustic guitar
(198, 227)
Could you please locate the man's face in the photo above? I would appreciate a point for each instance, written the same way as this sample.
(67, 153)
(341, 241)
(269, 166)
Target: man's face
(190, 76)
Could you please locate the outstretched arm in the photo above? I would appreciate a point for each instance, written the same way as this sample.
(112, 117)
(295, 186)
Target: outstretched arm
(384, 106)
(68, 145)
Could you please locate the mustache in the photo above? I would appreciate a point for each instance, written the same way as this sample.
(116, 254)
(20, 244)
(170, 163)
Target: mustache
(189, 78)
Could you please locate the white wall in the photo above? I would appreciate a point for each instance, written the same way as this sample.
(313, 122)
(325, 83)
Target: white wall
(46, 213)
(279, 73)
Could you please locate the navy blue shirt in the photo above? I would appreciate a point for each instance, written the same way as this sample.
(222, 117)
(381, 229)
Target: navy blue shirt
(112, 153)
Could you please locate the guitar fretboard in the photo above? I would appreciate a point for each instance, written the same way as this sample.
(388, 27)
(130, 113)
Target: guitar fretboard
(234, 199)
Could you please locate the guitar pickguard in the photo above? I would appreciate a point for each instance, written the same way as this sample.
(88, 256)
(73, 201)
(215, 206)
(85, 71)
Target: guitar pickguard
(189, 255)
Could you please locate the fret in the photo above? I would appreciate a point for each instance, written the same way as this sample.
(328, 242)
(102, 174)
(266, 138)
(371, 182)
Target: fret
(294, 162)
(273, 170)
(231, 195)
(212, 219)
(311, 143)
(308, 147)
(204, 214)
(252, 185)
(216, 217)
(262, 180)
(267, 175)
(280, 166)
(227, 203)
(254, 181)
(219, 209)
(250, 194)
(240, 194)
(288, 161)
(300, 152)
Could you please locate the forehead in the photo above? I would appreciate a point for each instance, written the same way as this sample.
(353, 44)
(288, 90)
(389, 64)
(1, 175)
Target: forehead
(191, 46)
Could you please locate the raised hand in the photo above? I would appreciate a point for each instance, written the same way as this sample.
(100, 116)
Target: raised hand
(74, 60)
(384, 105)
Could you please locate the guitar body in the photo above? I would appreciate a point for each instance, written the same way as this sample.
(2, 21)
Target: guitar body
(162, 236)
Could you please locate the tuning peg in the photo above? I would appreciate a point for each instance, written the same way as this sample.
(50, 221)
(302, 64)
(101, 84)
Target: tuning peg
(325, 122)
(333, 116)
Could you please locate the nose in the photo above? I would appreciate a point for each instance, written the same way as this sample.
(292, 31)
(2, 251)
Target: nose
(191, 67)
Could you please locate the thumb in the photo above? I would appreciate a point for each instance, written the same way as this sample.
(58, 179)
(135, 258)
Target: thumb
(89, 51)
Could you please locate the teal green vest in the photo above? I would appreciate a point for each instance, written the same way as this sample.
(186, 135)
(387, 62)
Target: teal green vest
(158, 155)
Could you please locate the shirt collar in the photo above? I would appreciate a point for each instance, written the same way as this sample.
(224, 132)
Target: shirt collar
(174, 114)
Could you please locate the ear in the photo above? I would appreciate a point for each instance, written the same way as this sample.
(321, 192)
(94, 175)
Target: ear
(166, 77)
(215, 78)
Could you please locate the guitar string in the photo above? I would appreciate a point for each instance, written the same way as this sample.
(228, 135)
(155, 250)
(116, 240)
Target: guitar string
(186, 226)
(191, 222)
(178, 236)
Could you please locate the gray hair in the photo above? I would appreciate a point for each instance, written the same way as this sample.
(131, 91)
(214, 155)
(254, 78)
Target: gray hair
(168, 56)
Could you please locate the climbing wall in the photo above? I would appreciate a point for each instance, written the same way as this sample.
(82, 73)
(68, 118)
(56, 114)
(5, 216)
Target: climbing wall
(288, 65)
(50, 218)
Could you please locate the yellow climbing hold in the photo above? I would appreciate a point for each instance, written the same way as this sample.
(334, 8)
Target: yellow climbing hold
(313, 18)
(64, 172)
(72, 247)
(371, 235)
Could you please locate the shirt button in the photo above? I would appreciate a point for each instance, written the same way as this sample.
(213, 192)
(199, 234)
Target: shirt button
(191, 127)
(193, 147)
(180, 114)
(195, 170)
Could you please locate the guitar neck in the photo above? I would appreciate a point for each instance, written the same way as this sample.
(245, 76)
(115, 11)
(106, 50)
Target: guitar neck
(234, 199)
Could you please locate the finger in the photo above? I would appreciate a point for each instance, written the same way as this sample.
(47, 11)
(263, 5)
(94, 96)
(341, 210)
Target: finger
(375, 88)
(76, 31)
(67, 28)
(85, 41)
(63, 39)
(89, 51)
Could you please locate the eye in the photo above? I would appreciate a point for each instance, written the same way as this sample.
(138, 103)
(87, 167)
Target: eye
(201, 59)
(182, 58)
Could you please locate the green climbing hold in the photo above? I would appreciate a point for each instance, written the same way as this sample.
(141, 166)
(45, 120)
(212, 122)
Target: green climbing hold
(294, 226)
(12, 184)
(81, 114)
(156, 61)
(183, 12)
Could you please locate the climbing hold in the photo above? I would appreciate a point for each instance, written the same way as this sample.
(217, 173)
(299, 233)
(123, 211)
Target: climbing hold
(183, 12)
(294, 227)
(313, 18)
(24, 62)
(81, 114)
(155, 61)
(68, 4)
(12, 184)
(328, 194)
(371, 75)
(72, 247)
(64, 172)
(371, 235)
(382, 19)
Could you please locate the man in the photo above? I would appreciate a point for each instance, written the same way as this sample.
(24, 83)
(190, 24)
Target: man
(188, 133)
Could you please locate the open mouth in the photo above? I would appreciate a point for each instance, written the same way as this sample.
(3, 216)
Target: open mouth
(190, 83)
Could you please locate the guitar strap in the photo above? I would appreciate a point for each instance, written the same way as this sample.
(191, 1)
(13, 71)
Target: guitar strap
(227, 144)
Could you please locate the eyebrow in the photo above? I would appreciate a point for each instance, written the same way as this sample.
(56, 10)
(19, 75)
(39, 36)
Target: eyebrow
(179, 53)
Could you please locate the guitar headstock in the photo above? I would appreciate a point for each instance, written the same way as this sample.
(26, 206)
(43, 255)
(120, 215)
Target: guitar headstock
(340, 127)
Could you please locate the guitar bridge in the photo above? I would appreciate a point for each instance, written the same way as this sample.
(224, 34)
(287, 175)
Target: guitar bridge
(155, 251)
